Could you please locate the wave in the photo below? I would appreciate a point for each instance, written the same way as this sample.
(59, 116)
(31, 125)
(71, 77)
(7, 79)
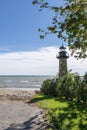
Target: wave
(8, 81)
(24, 81)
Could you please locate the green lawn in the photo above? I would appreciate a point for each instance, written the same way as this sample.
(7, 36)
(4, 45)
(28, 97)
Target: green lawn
(62, 114)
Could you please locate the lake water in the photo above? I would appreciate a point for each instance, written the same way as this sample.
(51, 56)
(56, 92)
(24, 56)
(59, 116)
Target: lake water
(22, 81)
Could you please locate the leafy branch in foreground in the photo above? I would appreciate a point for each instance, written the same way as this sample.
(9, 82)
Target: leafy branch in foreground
(68, 23)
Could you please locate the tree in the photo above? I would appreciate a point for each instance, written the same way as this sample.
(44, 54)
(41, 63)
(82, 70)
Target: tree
(68, 23)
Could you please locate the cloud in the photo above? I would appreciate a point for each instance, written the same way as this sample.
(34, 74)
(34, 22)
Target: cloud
(79, 66)
(41, 62)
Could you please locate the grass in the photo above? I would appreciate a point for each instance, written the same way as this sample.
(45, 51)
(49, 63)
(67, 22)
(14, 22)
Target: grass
(62, 114)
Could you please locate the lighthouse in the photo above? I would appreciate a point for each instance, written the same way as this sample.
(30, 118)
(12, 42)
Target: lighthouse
(62, 56)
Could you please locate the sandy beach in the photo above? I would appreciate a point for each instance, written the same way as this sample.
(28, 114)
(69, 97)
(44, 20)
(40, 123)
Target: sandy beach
(16, 113)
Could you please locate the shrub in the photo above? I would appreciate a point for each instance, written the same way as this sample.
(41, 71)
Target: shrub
(65, 86)
(70, 86)
(49, 87)
(45, 86)
(85, 78)
(84, 89)
(52, 88)
(78, 87)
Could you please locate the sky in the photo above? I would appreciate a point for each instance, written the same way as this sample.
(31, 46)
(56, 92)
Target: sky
(22, 52)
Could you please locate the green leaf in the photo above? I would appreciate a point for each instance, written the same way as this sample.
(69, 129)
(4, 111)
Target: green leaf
(41, 36)
(35, 2)
(55, 9)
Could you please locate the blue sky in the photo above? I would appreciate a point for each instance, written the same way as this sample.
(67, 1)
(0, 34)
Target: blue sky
(21, 50)
(19, 23)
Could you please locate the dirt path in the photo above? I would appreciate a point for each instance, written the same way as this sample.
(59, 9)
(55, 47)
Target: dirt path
(16, 114)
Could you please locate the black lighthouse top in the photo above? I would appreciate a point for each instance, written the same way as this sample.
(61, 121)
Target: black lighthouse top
(62, 47)
(62, 53)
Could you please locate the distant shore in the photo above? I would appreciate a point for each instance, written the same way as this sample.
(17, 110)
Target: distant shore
(17, 93)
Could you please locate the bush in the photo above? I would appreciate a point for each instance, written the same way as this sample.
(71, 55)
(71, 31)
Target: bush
(49, 87)
(85, 78)
(78, 87)
(52, 88)
(45, 86)
(70, 86)
(84, 89)
(65, 86)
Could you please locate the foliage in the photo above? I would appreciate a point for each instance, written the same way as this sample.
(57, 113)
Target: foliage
(85, 78)
(49, 87)
(62, 114)
(45, 86)
(65, 86)
(84, 89)
(68, 23)
(70, 86)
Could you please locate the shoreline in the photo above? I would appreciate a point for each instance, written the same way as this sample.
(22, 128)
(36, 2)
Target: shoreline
(17, 93)
(22, 89)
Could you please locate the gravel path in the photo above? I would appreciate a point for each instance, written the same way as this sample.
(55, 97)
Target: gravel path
(19, 115)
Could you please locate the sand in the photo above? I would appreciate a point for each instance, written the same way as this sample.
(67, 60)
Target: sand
(17, 113)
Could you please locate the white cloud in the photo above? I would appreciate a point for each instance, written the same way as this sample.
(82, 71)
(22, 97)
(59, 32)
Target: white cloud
(41, 62)
(79, 66)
